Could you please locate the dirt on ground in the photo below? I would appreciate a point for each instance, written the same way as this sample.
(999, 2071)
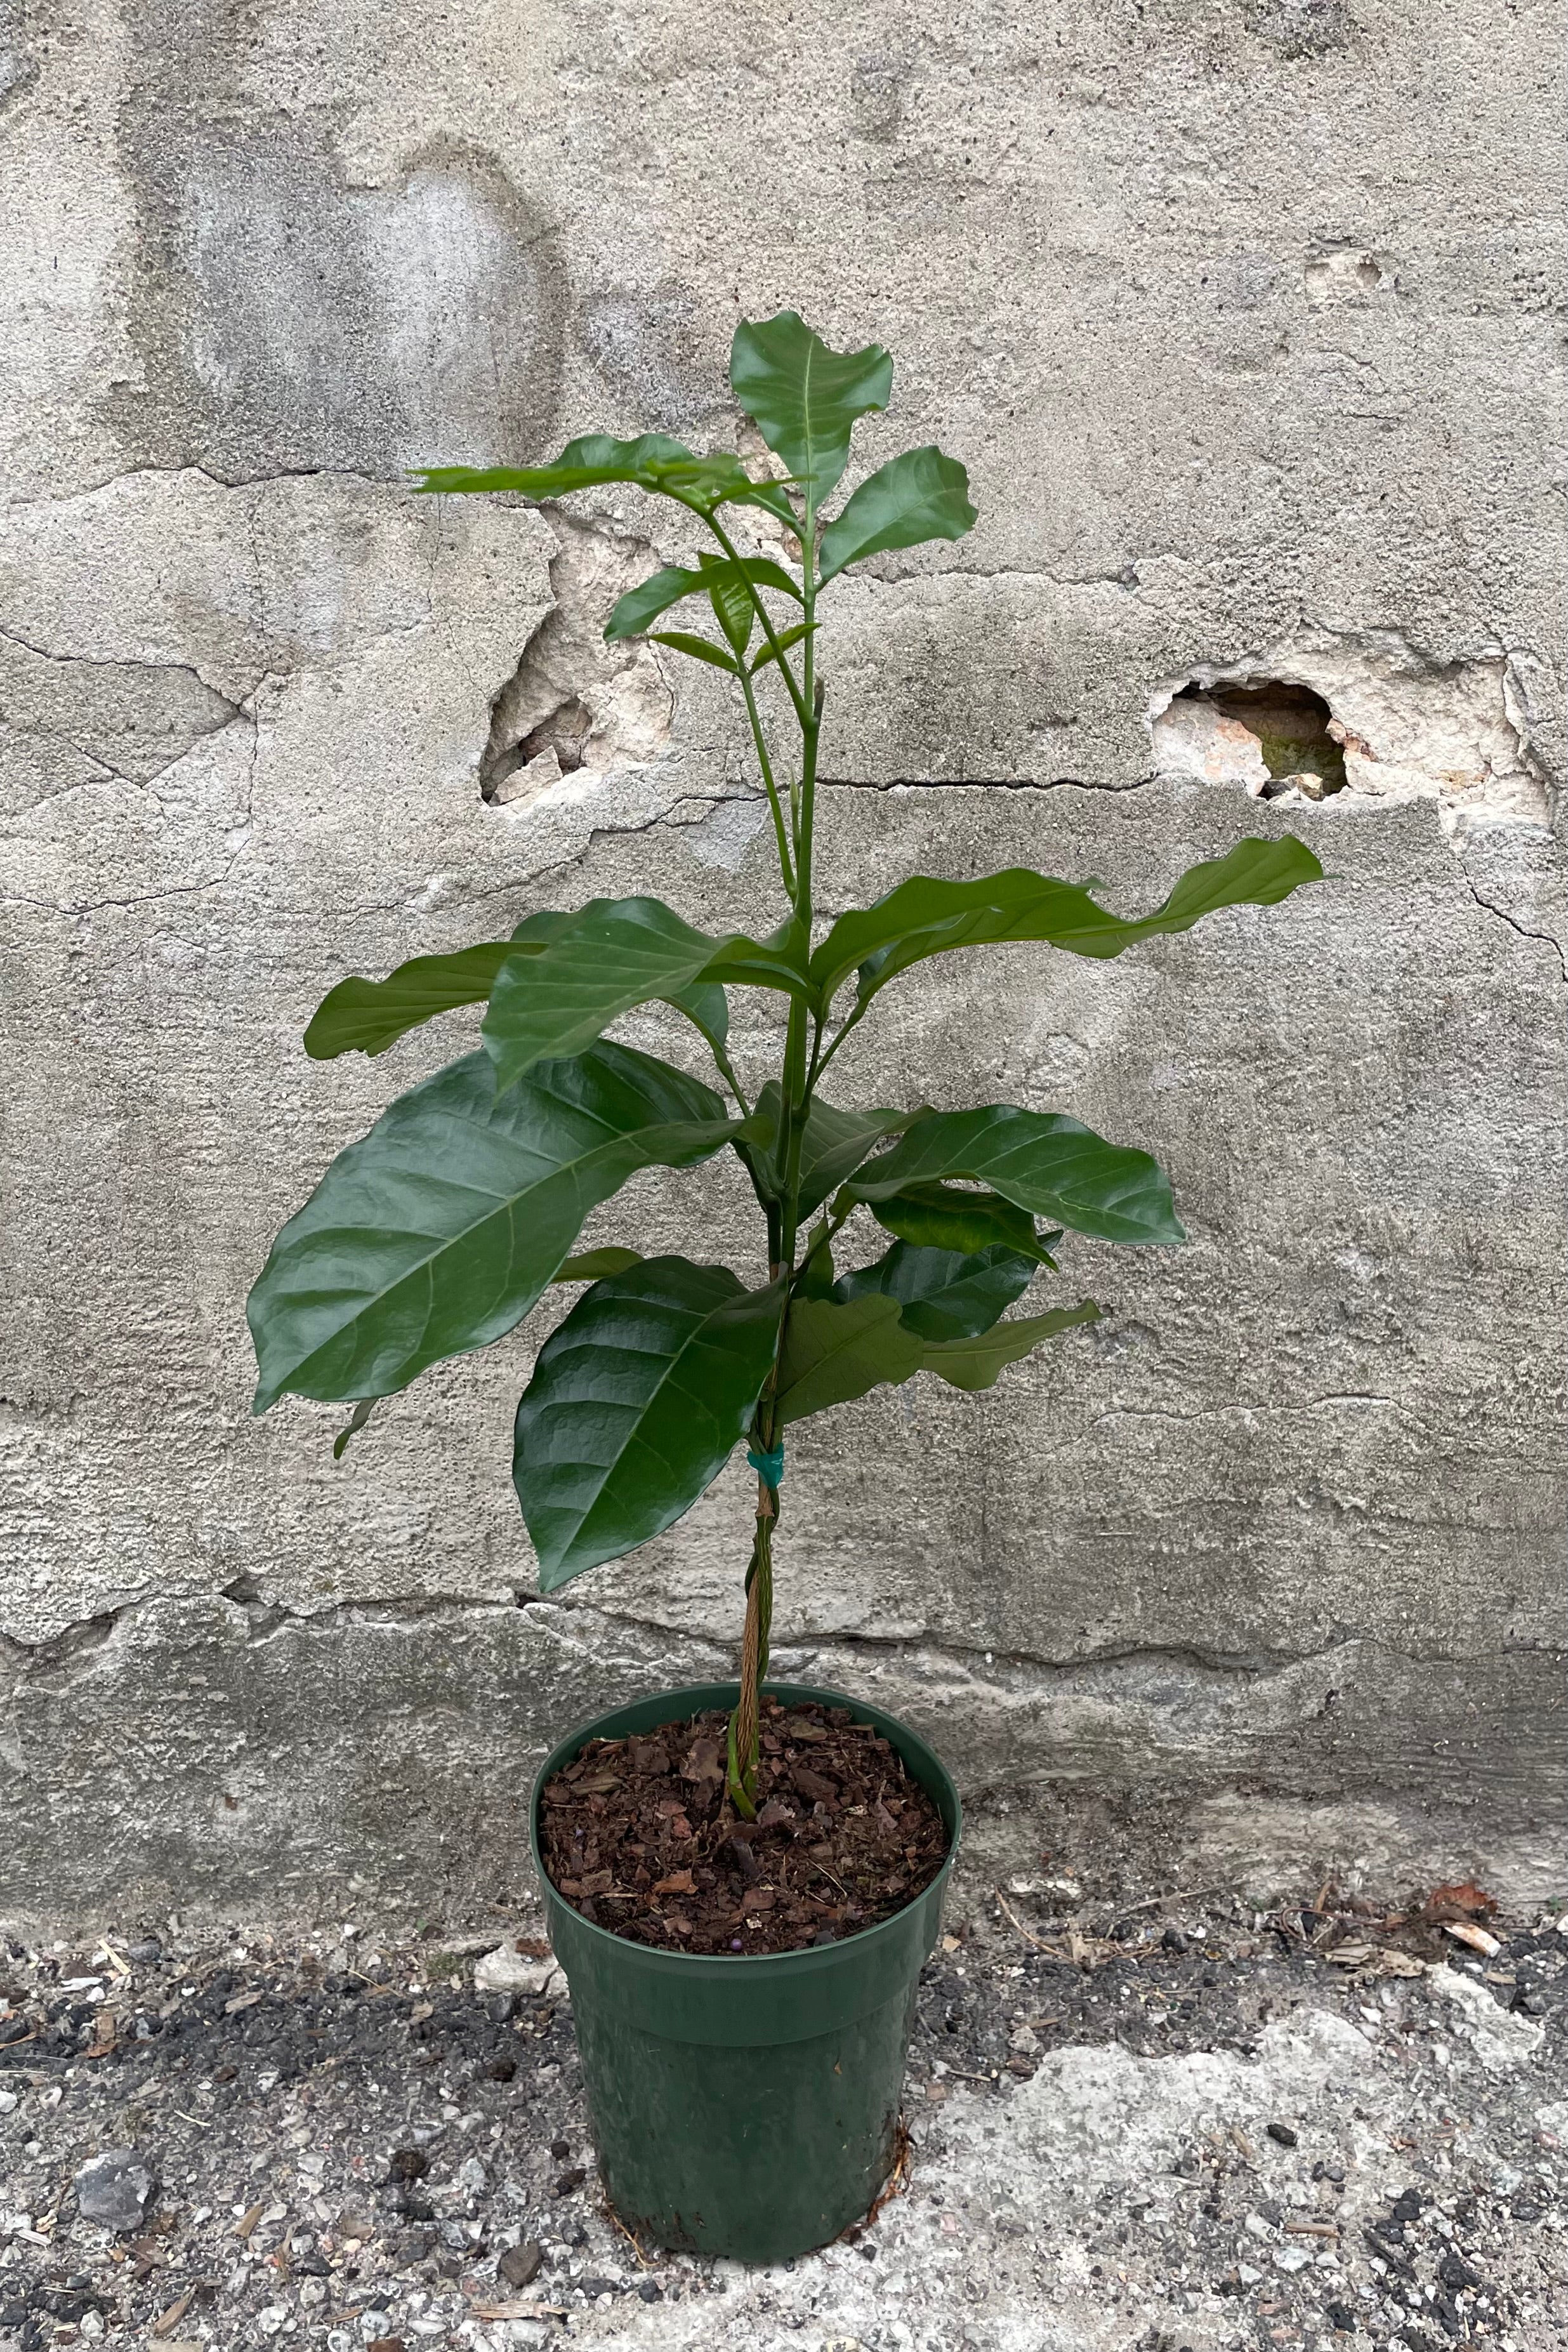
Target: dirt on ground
(1186, 2127)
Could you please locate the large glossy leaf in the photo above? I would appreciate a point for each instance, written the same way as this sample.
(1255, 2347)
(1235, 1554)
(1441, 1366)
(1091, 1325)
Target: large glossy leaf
(436, 1231)
(834, 1144)
(924, 917)
(641, 606)
(636, 1402)
(371, 1014)
(653, 462)
(834, 1353)
(805, 398)
(616, 953)
(1044, 1163)
(974, 1363)
(922, 495)
(951, 1217)
(942, 1293)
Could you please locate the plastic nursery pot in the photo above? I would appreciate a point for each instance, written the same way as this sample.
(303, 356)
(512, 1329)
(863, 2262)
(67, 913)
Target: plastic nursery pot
(745, 2105)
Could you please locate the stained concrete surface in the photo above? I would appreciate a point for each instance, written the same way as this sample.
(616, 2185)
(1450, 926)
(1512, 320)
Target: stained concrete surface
(1242, 318)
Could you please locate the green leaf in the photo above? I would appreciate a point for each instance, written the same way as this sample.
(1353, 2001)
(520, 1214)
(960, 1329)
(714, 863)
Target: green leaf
(1042, 1162)
(924, 917)
(653, 462)
(370, 1015)
(614, 954)
(974, 1363)
(643, 604)
(834, 1144)
(437, 1231)
(787, 639)
(950, 1217)
(922, 495)
(815, 1279)
(731, 600)
(637, 1400)
(942, 1293)
(834, 1353)
(357, 1420)
(594, 1264)
(682, 641)
(805, 398)
(706, 1007)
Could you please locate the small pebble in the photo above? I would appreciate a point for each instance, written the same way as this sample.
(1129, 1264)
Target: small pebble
(1284, 2134)
(520, 2265)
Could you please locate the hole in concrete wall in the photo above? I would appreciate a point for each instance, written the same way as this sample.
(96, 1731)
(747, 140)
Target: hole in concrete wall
(1291, 726)
(574, 702)
(564, 732)
(1359, 723)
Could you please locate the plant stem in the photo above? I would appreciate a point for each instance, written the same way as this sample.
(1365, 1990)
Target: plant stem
(801, 1063)
(785, 865)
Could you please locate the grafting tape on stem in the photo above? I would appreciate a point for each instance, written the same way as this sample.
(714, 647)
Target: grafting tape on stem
(769, 1466)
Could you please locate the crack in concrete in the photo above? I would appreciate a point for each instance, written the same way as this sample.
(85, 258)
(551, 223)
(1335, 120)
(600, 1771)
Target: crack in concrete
(270, 1617)
(219, 481)
(981, 784)
(1523, 929)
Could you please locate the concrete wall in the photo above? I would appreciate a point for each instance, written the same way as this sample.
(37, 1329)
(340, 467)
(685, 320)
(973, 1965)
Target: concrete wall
(1240, 313)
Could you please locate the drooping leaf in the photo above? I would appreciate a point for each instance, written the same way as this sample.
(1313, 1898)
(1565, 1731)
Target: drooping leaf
(922, 495)
(834, 1353)
(371, 1014)
(834, 1144)
(1044, 1163)
(356, 1422)
(437, 1231)
(636, 1402)
(681, 641)
(974, 1363)
(950, 1217)
(942, 1293)
(594, 1264)
(615, 954)
(805, 398)
(786, 637)
(924, 917)
(706, 1007)
(642, 605)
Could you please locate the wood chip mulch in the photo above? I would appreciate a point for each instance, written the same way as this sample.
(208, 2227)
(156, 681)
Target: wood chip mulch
(638, 1837)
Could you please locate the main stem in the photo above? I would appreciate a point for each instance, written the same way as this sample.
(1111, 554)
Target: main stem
(744, 1726)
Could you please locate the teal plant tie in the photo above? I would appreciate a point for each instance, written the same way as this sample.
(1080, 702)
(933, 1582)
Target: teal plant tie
(769, 1467)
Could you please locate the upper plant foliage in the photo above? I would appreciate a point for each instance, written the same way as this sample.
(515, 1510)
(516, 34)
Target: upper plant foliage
(436, 1232)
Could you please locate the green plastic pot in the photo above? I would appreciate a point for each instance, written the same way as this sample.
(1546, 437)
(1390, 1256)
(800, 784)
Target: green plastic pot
(746, 2105)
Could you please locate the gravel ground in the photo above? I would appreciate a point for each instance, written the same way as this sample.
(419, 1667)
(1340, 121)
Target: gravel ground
(1173, 2130)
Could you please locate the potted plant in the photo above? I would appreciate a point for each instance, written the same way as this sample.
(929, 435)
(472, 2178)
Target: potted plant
(744, 2085)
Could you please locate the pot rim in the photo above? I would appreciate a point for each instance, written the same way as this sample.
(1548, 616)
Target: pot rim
(652, 1954)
